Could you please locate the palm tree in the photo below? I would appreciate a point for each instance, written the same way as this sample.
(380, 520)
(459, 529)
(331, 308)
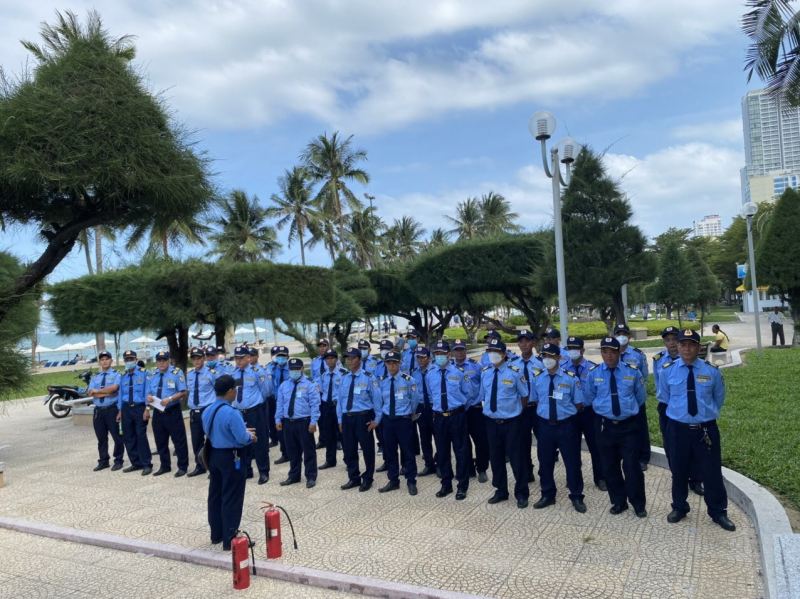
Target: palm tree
(439, 237)
(496, 215)
(295, 207)
(774, 26)
(163, 233)
(362, 235)
(403, 239)
(468, 219)
(243, 235)
(334, 162)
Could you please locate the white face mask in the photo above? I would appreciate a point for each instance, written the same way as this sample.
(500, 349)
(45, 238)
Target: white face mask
(549, 363)
(383, 353)
(574, 354)
(495, 357)
(623, 339)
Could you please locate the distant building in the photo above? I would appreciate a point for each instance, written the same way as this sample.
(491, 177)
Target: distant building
(708, 226)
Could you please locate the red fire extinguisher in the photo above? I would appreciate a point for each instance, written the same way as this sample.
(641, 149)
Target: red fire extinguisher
(240, 545)
(272, 526)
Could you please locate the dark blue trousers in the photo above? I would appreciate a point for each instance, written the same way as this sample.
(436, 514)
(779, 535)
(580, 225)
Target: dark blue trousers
(300, 446)
(105, 423)
(225, 495)
(688, 446)
(504, 440)
(585, 424)
(355, 434)
(527, 430)
(328, 430)
(695, 474)
(254, 418)
(643, 434)
(562, 436)
(479, 448)
(425, 425)
(618, 442)
(196, 430)
(398, 432)
(134, 432)
(169, 425)
(451, 434)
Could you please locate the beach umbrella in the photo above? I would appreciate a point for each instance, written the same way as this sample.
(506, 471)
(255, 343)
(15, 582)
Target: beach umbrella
(144, 340)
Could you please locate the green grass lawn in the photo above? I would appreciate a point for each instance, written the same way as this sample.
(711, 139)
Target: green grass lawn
(39, 382)
(760, 421)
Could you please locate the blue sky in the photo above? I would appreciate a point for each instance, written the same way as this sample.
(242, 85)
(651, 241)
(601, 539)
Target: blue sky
(439, 94)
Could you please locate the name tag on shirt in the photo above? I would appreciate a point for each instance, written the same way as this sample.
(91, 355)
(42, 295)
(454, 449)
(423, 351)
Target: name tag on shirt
(508, 382)
(702, 378)
(628, 378)
(558, 395)
(399, 395)
(599, 379)
(170, 384)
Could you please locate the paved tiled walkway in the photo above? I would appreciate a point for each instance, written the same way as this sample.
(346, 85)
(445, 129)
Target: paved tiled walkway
(466, 546)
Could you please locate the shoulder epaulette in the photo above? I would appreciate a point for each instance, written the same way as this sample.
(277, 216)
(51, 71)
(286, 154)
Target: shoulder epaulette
(407, 377)
(485, 368)
(514, 368)
(569, 372)
(591, 364)
(212, 370)
(471, 360)
(537, 371)
(176, 370)
(711, 364)
(634, 366)
(593, 367)
(637, 349)
(667, 364)
(343, 371)
(658, 356)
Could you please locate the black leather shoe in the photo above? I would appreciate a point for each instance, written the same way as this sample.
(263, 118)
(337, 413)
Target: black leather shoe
(310, 484)
(216, 541)
(116, 467)
(382, 468)
(675, 516)
(365, 486)
(274, 443)
(427, 471)
(482, 478)
(642, 513)
(390, 486)
(350, 484)
(697, 487)
(412, 489)
(326, 465)
(249, 475)
(159, 472)
(263, 479)
(618, 509)
(197, 472)
(132, 469)
(544, 502)
(643, 466)
(725, 523)
(99, 467)
(319, 446)
(146, 470)
(522, 503)
(281, 460)
(601, 484)
(579, 506)
(443, 492)
(180, 473)
(461, 495)
(289, 481)
(226, 546)
(497, 498)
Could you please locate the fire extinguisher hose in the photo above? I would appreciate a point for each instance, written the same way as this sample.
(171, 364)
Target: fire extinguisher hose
(251, 544)
(294, 538)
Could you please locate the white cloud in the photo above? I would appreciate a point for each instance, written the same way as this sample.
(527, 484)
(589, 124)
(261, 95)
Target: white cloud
(726, 132)
(368, 66)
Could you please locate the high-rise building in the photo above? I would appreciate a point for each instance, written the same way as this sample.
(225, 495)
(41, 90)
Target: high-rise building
(771, 146)
(709, 226)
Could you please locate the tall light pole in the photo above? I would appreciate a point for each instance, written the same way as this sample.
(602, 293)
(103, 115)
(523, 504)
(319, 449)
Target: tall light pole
(749, 211)
(542, 125)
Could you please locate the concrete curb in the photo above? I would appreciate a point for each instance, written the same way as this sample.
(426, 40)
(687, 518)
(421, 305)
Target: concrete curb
(371, 587)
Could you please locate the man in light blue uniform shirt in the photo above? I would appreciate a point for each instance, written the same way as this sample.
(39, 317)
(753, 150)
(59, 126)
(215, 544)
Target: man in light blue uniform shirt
(493, 334)
(425, 409)
(358, 411)
(635, 357)
(558, 400)
(408, 362)
(132, 405)
(528, 363)
(450, 391)
(200, 384)
(476, 423)
(399, 399)
(329, 383)
(318, 363)
(384, 348)
(695, 393)
(368, 362)
(229, 439)
(278, 371)
(296, 415)
(616, 392)
(167, 386)
(103, 388)
(251, 389)
(503, 392)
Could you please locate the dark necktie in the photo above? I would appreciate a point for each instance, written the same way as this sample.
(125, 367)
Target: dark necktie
(291, 399)
(578, 370)
(240, 388)
(351, 391)
(615, 408)
(551, 391)
(130, 387)
(330, 389)
(160, 386)
(411, 367)
(392, 404)
(425, 396)
(527, 378)
(321, 367)
(493, 402)
(103, 380)
(280, 379)
(691, 392)
(196, 388)
(444, 390)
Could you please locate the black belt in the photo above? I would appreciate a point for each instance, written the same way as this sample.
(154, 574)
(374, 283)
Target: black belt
(198, 410)
(297, 419)
(397, 416)
(452, 412)
(557, 422)
(530, 404)
(502, 420)
(361, 413)
(106, 407)
(248, 410)
(616, 422)
(695, 426)
(133, 404)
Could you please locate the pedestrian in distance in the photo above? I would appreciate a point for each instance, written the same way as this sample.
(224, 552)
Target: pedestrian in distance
(776, 324)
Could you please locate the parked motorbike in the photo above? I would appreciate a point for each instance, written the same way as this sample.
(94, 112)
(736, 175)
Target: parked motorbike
(58, 394)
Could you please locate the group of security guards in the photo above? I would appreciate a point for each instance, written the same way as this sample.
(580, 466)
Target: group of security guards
(435, 402)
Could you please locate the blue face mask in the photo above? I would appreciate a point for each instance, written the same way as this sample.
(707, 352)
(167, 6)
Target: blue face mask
(412, 343)
(211, 363)
(281, 360)
(295, 374)
(364, 354)
(441, 360)
(130, 365)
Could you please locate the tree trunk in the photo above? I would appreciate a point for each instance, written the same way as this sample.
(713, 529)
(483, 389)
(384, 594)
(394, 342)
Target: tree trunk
(34, 343)
(618, 308)
(87, 252)
(220, 327)
(98, 249)
(165, 245)
(302, 245)
(255, 332)
(296, 334)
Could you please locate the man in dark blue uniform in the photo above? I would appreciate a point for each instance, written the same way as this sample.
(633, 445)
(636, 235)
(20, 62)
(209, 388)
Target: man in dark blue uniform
(166, 388)
(695, 393)
(133, 413)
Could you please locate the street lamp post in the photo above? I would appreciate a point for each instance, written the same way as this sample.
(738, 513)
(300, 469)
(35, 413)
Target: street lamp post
(749, 211)
(542, 125)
